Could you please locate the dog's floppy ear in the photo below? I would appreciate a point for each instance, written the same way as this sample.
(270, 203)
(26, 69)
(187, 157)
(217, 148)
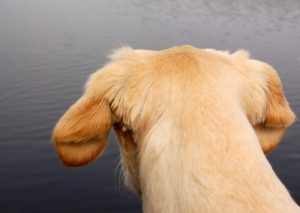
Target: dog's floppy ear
(81, 134)
(278, 114)
(278, 111)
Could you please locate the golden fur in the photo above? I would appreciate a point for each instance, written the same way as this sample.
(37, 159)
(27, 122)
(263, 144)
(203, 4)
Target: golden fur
(193, 126)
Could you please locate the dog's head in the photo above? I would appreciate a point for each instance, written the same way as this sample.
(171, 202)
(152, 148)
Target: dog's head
(145, 94)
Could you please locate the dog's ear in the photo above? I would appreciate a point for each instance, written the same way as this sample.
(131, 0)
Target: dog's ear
(81, 134)
(278, 111)
(268, 137)
(278, 114)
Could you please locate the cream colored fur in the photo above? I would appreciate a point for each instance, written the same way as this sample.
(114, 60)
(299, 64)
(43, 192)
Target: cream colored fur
(193, 126)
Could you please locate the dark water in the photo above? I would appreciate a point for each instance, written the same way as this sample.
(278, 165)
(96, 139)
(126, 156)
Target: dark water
(47, 50)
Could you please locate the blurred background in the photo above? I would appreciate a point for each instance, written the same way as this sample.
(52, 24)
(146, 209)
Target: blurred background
(48, 49)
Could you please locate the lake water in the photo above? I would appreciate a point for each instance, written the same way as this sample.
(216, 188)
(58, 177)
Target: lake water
(48, 49)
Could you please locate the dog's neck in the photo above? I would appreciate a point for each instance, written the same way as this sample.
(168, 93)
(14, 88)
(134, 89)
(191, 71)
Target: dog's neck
(197, 170)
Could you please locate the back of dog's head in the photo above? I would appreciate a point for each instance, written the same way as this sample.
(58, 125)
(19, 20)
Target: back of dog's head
(150, 95)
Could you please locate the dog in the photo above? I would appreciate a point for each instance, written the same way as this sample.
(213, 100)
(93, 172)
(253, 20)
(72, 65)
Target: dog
(193, 125)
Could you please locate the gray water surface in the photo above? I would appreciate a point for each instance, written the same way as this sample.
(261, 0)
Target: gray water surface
(48, 49)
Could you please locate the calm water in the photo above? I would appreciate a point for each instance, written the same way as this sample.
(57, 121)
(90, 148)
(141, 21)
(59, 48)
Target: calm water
(47, 50)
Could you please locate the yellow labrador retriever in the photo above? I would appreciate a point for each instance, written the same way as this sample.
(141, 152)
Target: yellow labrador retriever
(193, 126)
